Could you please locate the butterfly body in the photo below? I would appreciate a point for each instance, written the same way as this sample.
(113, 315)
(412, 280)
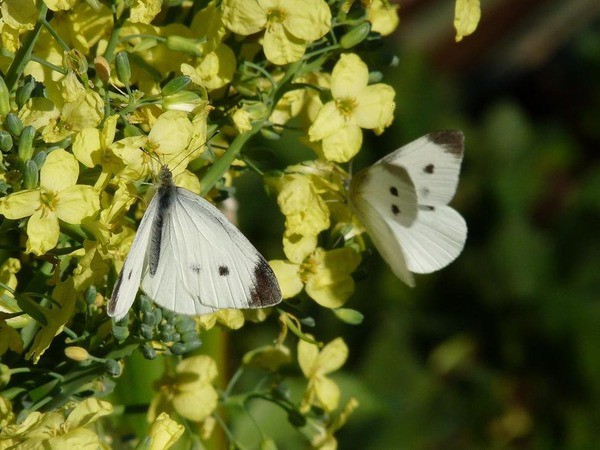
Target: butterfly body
(402, 200)
(190, 259)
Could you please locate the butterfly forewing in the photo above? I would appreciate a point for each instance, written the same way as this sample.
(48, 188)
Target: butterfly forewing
(216, 268)
(191, 259)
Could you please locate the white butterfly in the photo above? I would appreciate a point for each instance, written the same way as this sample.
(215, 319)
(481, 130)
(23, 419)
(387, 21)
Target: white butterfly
(402, 201)
(191, 259)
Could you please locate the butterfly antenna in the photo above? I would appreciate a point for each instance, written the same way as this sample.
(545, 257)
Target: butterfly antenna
(199, 147)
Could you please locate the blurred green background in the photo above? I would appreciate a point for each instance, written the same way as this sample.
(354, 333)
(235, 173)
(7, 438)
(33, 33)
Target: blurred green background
(502, 348)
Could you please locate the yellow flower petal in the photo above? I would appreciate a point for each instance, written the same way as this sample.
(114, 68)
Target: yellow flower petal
(329, 120)
(349, 76)
(307, 19)
(87, 147)
(332, 356)
(216, 69)
(307, 358)
(243, 17)
(59, 171)
(77, 202)
(280, 46)
(164, 432)
(288, 277)
(343, 145)
(196, 371)
(196, 405)
(171, 133)
(42, 232)
(298, 246)
(19, 14)
(327, 392)
(59, 5)
(466, 17)
(86, 111)
(144, 11)
(330, 284)
(376, 106)
(38, 112)
(383, 16)
(86, 413)
(20, 204)
(231, 318)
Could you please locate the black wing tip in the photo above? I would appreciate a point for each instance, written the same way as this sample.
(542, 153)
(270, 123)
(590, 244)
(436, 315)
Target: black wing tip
(453, 141)
(266, 291)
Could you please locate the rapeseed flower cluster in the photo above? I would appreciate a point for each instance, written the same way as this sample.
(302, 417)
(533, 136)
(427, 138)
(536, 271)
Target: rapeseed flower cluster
(94, 97)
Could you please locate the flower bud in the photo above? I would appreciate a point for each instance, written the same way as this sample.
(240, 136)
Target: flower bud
(4, 98)
(31, 174)
(356, 35)
(375, 77)
(120, 332)
(102, 68)
(176, 85)
(185, 45)
(90, 293)
(148, 352)
(123, 68)
(76, 61)
(112, 367)
(24, 92)
(77, 353)
(180, 348)
(14, 124)
(25, 150)
(6, 141)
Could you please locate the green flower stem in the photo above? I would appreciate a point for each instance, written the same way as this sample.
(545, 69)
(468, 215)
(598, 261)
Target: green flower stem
(218, 169)
(109, 53)
(54, 34)
(23, 55)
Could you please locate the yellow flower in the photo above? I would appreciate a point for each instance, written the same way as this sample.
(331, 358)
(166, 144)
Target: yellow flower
(325, 275)
(466, 17)
(59, 197)
(208, 23)
(144, 11)
(355, 105)
(291, 25)
(321, 391)
(305, 212)
(164, 432)
(383, 16)
(324, 438)
(59, 313)
(58, 5)
(214, 70)
(9, 339)
(8, 304)
(19, 14)
(90, 144)
(189, 392)
(58, 430)
(231, 318)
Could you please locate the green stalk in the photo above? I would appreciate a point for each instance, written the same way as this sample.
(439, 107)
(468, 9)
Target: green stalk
(23, 55)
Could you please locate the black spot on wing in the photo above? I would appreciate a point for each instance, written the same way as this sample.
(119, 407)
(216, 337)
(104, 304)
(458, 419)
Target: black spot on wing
(195, 268)
(429, 168)
(265, 291)
(394, 191)
(426, 208)
(395, 210)
(452, 141)
(223, 271)
(129, 274)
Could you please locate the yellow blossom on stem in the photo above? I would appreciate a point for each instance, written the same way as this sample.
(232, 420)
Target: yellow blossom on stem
(325, 275)
(58, 430)
(383, 16)
(58, 197)
(290, 25)
(189, 392)
(355, 105)
(315, 365)
(164, 432)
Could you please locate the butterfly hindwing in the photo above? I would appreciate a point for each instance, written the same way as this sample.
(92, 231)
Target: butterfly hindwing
(128, 282)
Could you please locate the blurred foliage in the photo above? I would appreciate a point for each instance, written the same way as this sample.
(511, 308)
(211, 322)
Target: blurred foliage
(500, 349)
